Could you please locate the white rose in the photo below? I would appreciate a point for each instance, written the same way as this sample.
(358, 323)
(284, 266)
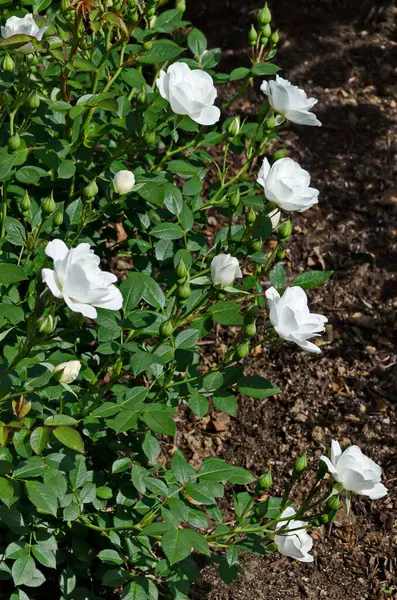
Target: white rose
(295, 544)
(287, 185)
(25, 26)
(355, 471)
(189, 93)
(124, 182)
(67, 372)
(290, 101)
(78, 279)
(224, 270)
(274, 216)
(291, 318)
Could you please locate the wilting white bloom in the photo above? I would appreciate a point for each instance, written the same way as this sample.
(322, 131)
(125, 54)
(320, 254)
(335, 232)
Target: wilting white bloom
(290, 101)
(295, 544)
(67, 372)
(355, 471)
(291, 318)
(78, 279)
(224, 270)
(189, 92)
(287, 185)
(124, 182)
(25, 26)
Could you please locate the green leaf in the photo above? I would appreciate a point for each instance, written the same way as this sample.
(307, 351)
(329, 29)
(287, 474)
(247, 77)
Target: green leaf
(56, 481)
(30, 175)
(42, 496)
(176, 544)
(167, 231)
(16, 41)
(168, 21)
(256, 386)
(110, 557)
(198, 404)
(239, 73)
(173, 198)
(66, 169)
(197, 42)
(23, 570)
(82, 64)
(182, 471)
(159, 421)
(278, 276)
(45, 555)
(11, 273)
(134, 79)
(6, 164)
(151, 447)
(161, 51)
(56, 420)
(265, 69)
(39, 439)
(139, 286)
(187, 339)
(15, 232)
(226, 313)
(216, 469)
(226, 402)
(120, 465)
(312, 279)
(33, 467)
(70, 438)
(200, 493)
(6, 489)
(139, 476)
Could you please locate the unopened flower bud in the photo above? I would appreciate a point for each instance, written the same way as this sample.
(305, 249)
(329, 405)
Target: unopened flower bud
(142, 97)
(166, 328)
(275, 38)
(250, 329)
(25, 204)
(282, 153)
(34, 101)
(264, 15)
(14, 142)
(270, 122)
(150, 137)
(265, 481)
(46, 324)
(90, 190)
(8, 64)
(251, 216)
(252, 36)
(58, 218)
(325, 519)
(234, 199)
(65, 6)
(300, 466)
(252, 312)
(67, 372)
(333, 504)
(256, 245)
(266, 30)
(284, 232)
(184, 291)
(233, 128)
(181, 270)
(180, 5)
(48, 205)
(124, 182)
(264, 40)
(281, 254)
(148, 45)
(242, 350)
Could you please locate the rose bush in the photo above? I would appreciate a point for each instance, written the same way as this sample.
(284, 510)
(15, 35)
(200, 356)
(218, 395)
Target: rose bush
(116, 156)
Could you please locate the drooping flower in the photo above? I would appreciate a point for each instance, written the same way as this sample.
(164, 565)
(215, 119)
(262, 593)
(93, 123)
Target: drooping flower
(189, 92)
(124, 182)
(291, 318)
(67, 372)
(287, 185)
(224, 270)
(23, 25)
(355, 471)
(78, 279)
(295, 544)
(290, 101)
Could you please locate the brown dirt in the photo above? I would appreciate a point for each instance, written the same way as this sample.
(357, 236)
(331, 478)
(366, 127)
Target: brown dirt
(344, 53)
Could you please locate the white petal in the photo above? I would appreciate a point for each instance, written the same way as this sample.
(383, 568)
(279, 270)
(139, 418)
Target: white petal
(50, 280)
(57, 250)
(331, 467)
(112, 301)
(336, 451)
(85, 309)
(208, 116)
(378, 491)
